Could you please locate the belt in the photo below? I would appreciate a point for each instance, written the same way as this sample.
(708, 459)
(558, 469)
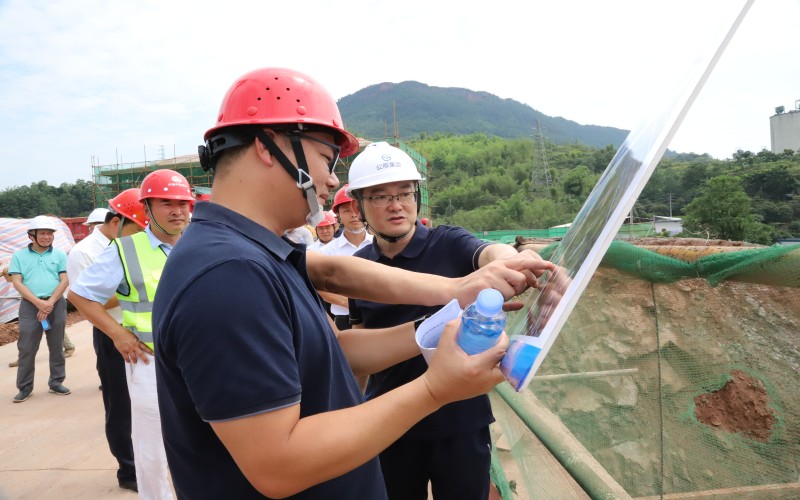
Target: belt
(45, 298)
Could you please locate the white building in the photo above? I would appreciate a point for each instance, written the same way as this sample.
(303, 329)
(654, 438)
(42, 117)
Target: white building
(672, 225)
(784, 129)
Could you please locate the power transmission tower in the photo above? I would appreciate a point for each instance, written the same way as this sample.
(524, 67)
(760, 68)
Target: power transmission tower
(539, 141)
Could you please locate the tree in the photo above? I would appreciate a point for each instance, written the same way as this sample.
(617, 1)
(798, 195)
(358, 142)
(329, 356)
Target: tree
(725, 211)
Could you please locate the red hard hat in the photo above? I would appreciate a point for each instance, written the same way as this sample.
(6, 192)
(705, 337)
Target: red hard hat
(424, 221)
(276, 96)
(127, 203)
(329, 220)
(341, 198)
(166, 184)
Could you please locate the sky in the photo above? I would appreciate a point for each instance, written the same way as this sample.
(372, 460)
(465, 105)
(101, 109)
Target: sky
(97, 82)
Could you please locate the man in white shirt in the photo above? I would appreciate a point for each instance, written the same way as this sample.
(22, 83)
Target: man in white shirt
(130, 269)
(325, 231)
(126, 217)
(353, 237)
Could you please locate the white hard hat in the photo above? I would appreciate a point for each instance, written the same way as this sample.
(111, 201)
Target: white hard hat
(97, 215)
(378, 164)
(42, 222)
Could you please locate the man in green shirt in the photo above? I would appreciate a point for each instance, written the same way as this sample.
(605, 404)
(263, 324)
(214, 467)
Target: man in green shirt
(39, 273)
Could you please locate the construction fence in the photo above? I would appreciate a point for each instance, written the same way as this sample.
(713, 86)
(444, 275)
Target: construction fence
(676, 376)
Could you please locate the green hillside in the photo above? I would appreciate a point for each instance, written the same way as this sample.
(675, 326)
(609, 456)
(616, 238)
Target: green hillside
(423, 109)
(486, 183)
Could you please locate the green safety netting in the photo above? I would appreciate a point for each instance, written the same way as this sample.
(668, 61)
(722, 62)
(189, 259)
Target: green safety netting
(672, 378)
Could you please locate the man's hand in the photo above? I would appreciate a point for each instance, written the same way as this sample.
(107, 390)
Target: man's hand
(510, 276)
(554, 289)
(131, 348)
(44, 306)
(454, 376)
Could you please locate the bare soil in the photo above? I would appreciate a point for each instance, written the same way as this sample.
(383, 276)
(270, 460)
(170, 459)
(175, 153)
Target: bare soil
(9, 332)
(741, 406)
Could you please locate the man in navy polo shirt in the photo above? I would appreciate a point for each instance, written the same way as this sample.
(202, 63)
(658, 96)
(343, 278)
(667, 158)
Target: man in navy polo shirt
(450, 448)
(39, 273)
(256, 389)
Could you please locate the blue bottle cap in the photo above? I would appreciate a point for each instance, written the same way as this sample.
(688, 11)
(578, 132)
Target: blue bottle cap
(489, 302)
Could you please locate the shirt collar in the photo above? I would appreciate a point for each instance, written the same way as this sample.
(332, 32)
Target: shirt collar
(342, 241)
(100, 237)
(30, 247)
(155, 242)
(210, 212)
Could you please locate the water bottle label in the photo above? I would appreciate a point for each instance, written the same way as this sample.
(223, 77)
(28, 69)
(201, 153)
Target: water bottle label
(518, 362)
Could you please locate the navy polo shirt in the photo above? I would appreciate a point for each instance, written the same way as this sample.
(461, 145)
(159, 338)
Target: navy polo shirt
(240, 330)
(445, 251)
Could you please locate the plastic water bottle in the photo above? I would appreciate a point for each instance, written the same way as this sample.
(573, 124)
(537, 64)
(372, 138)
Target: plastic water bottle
(482, 322)
(45, 324)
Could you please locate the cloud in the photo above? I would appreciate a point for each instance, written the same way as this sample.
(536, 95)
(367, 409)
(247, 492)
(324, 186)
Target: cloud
(92, 82)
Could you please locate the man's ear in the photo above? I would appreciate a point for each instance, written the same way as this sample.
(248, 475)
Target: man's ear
(261, 151)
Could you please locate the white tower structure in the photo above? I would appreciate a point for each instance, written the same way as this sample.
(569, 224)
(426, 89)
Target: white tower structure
(784, 129)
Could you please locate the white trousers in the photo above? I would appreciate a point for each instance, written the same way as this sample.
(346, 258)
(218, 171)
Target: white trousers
(152, 472)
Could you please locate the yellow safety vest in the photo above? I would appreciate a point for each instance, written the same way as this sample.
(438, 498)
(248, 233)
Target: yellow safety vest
(143, 265)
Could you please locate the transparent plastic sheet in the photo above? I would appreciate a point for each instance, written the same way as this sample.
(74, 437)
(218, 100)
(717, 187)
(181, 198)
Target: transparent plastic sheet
(536, 327)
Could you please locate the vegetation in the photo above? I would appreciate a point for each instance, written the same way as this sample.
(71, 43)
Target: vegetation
(67, 200)
(485, 183)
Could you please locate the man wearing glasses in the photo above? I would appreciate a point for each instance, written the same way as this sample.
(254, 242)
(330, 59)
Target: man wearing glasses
(256, 388)
(450, 448)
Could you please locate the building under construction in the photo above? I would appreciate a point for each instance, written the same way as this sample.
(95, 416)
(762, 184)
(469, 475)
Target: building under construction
(110, 180)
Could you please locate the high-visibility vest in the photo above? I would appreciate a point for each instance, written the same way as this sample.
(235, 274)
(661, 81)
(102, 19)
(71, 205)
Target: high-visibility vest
(143, 265)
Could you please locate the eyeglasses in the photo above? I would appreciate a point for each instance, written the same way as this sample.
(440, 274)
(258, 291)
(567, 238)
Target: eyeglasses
(336, 150)
(384, 200)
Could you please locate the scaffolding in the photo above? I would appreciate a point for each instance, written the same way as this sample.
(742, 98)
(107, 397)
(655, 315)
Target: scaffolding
(110, 180)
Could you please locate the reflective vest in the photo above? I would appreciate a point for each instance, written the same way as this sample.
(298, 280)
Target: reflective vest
(143, 265)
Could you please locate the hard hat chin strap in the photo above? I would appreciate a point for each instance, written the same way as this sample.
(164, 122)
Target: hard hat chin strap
(299, 172)
(392, 239)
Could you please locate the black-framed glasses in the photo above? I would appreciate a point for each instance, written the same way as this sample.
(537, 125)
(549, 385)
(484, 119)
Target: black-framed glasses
(384, 200)
(336, 149)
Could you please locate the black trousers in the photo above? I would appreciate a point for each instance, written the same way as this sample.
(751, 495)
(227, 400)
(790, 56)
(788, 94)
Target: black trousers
(117, 403)
(457, 467)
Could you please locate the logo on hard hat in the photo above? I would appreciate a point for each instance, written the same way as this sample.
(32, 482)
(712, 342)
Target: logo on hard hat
(386, 157)
(388, 164)
(175, 178)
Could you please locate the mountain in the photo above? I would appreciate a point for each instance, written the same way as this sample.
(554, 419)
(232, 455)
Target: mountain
(422, 108)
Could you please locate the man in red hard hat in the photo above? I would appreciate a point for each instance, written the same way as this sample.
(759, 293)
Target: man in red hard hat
(130, 269)
(354, 236)
(256, 388)
(124, 217)
(325, 231)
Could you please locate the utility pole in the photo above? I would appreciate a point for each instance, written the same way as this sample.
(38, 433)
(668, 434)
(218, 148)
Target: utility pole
(669, 197)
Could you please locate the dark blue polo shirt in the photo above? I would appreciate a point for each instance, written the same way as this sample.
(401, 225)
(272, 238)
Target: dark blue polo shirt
(240, 330)
(444, 251)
